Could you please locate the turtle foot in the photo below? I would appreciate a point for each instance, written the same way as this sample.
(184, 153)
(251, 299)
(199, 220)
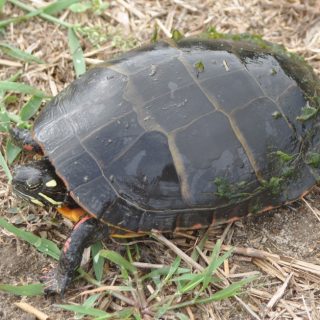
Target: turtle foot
(55, 283)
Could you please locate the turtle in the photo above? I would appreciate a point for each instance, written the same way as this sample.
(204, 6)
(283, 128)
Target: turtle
(170, 136)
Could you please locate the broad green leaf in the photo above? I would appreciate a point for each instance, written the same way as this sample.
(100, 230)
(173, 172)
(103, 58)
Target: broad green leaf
(118, 259)
(29, 290)
(12, 151)
(30, 108)
(76, 52)
(18, 54)
(98, 262)
(5, 168)
(43, 245)
(21, 88)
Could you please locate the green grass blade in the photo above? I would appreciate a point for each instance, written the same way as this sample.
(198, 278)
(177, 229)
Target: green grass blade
(12, 151)
(13, 78)
(2, 2)
(88, 277)
(18, 54)
(4, 115)
(16, 119)
(76, 52)
(88, 303)
(98, 261)
(195, 253)
(91, 300)
(83, 310)
(80, 7)
(43, 245)
(172, 270)
(163, 271)
(196, 280)
(228, 292)
(4, 120)
(118, 259)
(4, 23)
(5, 168)
(30, 108)
(182, 316)
(21, 88)
(29, 290)
(122, 314)
(58, 6)
(215, 263)
(33, 12)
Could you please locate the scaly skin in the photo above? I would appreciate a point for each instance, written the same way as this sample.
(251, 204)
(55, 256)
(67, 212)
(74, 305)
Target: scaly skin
(23, 139)
(85, 233)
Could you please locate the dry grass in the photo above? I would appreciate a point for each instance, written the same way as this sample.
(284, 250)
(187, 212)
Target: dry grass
(289, 287)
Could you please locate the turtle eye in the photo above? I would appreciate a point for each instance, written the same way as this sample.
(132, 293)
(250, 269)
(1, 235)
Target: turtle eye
(33, 183)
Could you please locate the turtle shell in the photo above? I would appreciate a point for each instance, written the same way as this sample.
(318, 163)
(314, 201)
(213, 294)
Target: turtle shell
(187, 134)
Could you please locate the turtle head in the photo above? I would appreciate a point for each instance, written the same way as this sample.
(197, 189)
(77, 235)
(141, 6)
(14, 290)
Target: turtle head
(38, 183)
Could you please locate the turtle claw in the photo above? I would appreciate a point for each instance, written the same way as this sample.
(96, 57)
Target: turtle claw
(55, 283)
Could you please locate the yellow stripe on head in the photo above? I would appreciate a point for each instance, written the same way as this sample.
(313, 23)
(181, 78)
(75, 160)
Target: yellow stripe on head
(52, 201)
(37, 202)
(51, 183)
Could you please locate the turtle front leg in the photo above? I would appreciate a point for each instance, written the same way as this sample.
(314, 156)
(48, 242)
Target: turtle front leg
(85, 233)
(23, 139)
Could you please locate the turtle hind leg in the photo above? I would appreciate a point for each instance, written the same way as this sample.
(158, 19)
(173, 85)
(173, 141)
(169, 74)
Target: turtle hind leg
(23, 139)
(85, 233)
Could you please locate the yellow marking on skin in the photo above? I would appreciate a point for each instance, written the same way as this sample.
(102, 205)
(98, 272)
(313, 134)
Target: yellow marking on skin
(51, 184)
(54, 202)
(128, 235)
(118, 232)
(37, 202)
(74, 214)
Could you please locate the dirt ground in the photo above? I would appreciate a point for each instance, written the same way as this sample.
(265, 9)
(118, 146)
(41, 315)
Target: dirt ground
(291, 231)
